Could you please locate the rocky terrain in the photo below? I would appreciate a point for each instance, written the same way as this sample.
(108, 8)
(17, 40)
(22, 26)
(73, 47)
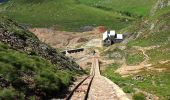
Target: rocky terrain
(67, 39)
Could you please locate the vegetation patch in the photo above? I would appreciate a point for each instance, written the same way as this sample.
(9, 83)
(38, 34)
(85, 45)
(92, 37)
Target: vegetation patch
(22, 76)
(150, 40)
(124, 83)
(161, 12)
(139, 7)
(63, 14)
(139, 96)
(159, 54)
(134, 58)
(152, 31)
(31, 69)
(149, 81)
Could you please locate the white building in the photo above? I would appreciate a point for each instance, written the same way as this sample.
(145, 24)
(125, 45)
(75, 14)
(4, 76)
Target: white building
(110, 37)
(119, 36)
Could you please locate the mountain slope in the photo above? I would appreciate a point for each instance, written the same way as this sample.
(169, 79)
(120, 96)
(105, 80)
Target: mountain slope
(63, 14)
(30, 68)
(137, 7)
(145, 57)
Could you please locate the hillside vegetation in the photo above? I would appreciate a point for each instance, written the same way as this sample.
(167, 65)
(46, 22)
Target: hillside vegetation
(149, 36)
(130, 7)
(62, 14)
(30, 69)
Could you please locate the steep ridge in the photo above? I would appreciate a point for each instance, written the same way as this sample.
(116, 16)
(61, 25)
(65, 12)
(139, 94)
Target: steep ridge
(30, 68)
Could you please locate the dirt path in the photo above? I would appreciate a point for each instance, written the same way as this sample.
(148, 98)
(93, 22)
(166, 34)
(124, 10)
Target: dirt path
(126, 70)
(143, 50)
(104, 89)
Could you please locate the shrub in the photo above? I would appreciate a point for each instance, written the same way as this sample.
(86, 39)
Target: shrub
(139, 96)
(10, 94)
(48, 82)
(128, 89)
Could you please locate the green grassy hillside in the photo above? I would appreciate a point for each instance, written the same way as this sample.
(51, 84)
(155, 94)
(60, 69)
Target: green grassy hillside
(24, 76)
(151, 82)
(30, 69)
(63, 14)
(139, 7)
(152, 32)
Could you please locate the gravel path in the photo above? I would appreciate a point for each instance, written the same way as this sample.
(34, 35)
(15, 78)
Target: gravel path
(104, 89)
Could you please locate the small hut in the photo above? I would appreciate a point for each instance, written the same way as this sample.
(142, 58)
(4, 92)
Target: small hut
(110, 37)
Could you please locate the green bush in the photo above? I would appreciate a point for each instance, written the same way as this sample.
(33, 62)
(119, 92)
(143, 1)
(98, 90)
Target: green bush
(10, 94)
(48, 82)
(139, 96)
(128, 89)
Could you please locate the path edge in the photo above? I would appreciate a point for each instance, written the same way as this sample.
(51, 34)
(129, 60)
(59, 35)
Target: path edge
(119, 92)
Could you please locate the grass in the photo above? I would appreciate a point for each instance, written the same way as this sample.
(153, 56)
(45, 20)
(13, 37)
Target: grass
(65, 14)
(140, 7)
(134, 59)
(157, 38)
(116, 78)
(139, 96)
(152, 81)
(29, 73)
(159, 35)
(161, 12)
(159, 54)
(161, 82)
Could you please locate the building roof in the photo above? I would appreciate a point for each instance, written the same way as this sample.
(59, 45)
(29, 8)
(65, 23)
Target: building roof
(105, 35)
(112, 33)
(119, 36)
